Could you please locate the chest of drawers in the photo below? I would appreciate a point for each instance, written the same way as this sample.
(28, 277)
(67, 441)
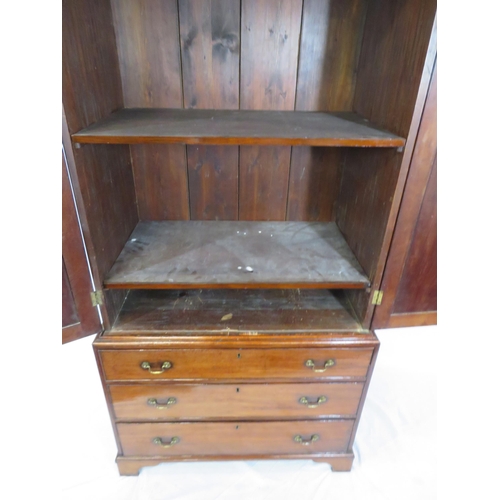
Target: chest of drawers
(218, 395)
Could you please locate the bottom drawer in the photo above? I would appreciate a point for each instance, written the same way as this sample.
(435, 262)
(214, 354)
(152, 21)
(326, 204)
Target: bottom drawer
(170, 439)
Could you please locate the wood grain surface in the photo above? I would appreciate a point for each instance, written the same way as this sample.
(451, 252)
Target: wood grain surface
(235, 401)
(224, 364)
(233, 438)
(171, 254)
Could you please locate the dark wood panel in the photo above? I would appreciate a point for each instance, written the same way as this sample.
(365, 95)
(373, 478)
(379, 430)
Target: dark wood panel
(417, 291)
(79, 318)
(148, 44)
(329, 50)
(210, 36)
(419, 282)
(230, 401)
(161, 181)
(69, 312)
(90, 70)
(161, 312)
(198, 126)
(390, 65)
(314, 183)
(231, 438)
(213, 182)
(270, 34)
(147, 38)
(242, 254)
(242, 364)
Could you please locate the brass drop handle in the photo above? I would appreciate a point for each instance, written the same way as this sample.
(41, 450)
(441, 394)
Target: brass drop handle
(306, 442)
(303, 400)
(310, 364)
(159, 442)
(165, 366)
(158, 406)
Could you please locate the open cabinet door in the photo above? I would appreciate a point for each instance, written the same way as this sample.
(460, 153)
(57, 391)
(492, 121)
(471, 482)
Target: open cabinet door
(79, 316)
(409, 284)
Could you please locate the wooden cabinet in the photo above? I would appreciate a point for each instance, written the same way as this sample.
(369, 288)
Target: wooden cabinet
(238, 168)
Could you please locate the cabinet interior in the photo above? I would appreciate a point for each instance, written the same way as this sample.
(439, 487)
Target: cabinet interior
(355, 58)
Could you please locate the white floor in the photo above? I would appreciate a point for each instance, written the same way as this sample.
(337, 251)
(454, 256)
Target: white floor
(395, 446)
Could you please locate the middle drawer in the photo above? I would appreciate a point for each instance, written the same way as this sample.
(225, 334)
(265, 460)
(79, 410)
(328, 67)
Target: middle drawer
(190, 401)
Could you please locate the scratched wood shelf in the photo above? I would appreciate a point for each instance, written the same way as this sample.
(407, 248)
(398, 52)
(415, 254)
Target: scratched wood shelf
(201, 311)
(223, 127)
(239, 254)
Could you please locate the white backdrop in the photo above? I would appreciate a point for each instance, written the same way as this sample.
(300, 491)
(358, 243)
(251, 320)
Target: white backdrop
(395, 447)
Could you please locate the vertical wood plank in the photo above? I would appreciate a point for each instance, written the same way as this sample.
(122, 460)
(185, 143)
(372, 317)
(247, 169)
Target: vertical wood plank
(329, 51)
(210, 42)
(270, 33)
(314, 183)
(147, 33)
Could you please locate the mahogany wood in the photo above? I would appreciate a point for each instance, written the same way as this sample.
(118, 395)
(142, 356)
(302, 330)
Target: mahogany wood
(130, 466)
(212, 126)
(234, 401)
(197, 364)
(217, 254)
(223, 438)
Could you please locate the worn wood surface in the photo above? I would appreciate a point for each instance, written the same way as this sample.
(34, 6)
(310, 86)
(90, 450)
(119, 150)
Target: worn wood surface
(161, 312)
(209, 126)
(242, 254)
(235, 401)
(69, 313)
(234, 438)
(210, 47)
(130, 466)
(228, 364)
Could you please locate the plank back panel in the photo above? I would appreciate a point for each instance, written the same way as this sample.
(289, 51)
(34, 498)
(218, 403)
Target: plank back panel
(329, 50)
(270, 33)
(393, 75)
(147, 37)
(210, 48)
(101, 175)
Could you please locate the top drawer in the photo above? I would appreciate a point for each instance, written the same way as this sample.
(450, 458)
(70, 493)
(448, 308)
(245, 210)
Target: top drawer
(193, 364)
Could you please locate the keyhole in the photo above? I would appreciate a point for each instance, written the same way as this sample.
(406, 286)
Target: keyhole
(237, 427)
(239, 355)
(237, 389)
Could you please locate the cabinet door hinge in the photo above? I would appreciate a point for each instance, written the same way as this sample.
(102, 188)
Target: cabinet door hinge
(97, 298)
(377, 297)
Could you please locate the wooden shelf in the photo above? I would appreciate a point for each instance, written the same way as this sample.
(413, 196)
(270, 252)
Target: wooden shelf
(242, 254)
(157, 312)
(201, 126)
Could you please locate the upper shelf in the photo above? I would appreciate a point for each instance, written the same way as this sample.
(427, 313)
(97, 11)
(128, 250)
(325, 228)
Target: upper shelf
(207, 126)
(236, 254)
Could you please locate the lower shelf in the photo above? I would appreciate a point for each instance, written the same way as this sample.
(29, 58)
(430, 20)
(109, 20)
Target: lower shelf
(131, 466)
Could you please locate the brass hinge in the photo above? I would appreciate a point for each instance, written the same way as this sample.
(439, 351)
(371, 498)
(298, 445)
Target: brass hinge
(378, 295)
(97, 298)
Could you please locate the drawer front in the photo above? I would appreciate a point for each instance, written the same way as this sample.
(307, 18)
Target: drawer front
(195, 364)
(189, 401)
(222, 438)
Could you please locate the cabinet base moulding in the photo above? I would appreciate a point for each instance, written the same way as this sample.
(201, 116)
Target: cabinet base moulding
(131, 466)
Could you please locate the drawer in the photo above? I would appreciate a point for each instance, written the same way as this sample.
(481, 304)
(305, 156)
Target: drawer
(195, 364)
(189, 401)
(237, 438)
